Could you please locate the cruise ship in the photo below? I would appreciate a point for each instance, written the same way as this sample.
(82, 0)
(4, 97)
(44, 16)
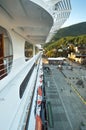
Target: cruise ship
(22, 95)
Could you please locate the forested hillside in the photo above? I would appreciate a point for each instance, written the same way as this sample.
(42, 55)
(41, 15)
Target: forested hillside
(74, 30)
(75, 35)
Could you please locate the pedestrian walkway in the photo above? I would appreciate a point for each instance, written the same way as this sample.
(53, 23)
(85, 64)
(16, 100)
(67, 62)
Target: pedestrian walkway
(77, 79)
(59, 116)
(68, 111)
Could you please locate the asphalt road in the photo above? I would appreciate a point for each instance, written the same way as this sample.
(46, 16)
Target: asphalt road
(68, 103)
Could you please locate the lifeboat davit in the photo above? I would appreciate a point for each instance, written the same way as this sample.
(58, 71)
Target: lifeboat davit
(39, 100)
(41, 80)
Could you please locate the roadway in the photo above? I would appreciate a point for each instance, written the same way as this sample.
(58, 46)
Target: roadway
(67, 99)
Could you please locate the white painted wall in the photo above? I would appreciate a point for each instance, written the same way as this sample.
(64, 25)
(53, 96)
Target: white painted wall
(18, 45)
(8, 47)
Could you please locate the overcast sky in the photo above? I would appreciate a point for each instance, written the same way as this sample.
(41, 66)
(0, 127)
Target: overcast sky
(78, 12)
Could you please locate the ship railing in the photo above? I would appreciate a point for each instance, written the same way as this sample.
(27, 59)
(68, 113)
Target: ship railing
(16, 94)
(5, 65)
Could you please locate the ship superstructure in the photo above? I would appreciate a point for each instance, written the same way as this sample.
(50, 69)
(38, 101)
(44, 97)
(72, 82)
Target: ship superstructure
(21, 22)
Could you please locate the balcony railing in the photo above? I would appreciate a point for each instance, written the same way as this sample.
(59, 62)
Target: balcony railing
(5, 66)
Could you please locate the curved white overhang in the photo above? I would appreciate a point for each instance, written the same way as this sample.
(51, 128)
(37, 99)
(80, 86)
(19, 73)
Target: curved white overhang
(35, 20)
(27, 19)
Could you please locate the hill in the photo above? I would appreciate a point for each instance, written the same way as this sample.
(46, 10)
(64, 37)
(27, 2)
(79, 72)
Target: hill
(74, 30)
(71, 36)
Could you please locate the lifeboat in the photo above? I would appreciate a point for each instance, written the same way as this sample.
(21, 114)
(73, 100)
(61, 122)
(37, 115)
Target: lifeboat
(38, 123)
(38, 118)
(38, 109)
(39, 91)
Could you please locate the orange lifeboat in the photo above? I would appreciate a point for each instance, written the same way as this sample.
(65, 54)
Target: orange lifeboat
(38, 123)
(38, 109)
(40, 91)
